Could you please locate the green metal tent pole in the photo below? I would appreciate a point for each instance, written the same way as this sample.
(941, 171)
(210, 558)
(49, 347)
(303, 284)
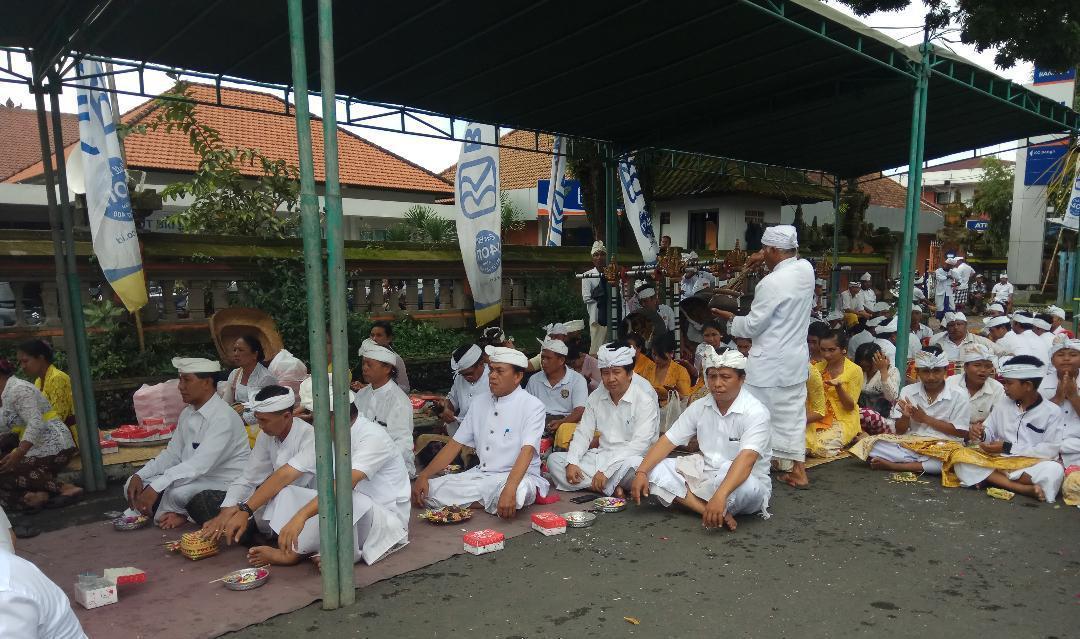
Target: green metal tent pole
(834, 278)
(74, 291)
(335, 256)
(59, 249)
(316, 316)
(911, 237)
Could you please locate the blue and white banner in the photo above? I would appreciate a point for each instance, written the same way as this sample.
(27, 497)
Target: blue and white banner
(572, 205)
(637, 213)
(116, 243)
(557, 192)
(1072, 213)
(476, 191)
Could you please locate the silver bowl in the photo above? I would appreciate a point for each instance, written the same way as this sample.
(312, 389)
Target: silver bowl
(603, 504)
(232, 580)
(120, 523)
(579, 519)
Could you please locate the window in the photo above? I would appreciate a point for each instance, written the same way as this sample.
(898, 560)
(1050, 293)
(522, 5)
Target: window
(701, 234)
(942, 197)
(754, 217)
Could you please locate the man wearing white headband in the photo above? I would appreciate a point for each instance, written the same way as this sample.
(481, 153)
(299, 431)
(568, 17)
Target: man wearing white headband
(921, 334)
(927, 409)
(383, 402)
(208, 449)
(1044, 328)
(649, 297)
(562, 390)
(1060, 387)
(852, 300)
(623, 417)
(869, 295)
(1003, 291)
(470, 381)
(997, 331)
(1021, 440)
(594, 292)
(1023, 340)
(964, 272)
(977, 381)
(886, 338)
(730, 476)
(863, 333)
(957, 336)
(995, 310)
(504, 427)
(382, 334)
(777, 326)
(1057, 316)
(272, 466)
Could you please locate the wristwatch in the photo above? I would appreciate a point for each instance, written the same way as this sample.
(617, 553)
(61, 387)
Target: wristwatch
(244, 507)
(1006, 447)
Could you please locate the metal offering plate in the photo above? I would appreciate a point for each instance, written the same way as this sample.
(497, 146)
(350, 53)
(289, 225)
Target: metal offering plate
(246, 578)
(446, 515)
(579, 519)
(451, 469)
(610, 504)
(131, 523)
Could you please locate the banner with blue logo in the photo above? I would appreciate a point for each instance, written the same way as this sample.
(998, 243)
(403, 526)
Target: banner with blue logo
(476, 191)
(572, 204)
(1044, 162)
(637, 213)
(1072, 213)
(112, 226)
(557, 195)
(1047, 76)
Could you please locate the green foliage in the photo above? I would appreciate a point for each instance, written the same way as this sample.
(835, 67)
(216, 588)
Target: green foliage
(512, 218)
(1046, 32)
(422, 224)
(422, 340)
(224, 200)
(993, 197)
(554, 299)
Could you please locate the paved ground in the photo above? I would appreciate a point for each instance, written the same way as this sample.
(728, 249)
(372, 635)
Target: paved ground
(854, 556)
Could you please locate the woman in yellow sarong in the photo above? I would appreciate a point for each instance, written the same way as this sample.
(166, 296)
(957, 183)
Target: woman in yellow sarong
(36, 361)
(842, 381)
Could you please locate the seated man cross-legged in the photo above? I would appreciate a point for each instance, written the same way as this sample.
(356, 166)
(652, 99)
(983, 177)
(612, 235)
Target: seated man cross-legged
(505, 427)
(627, 417)
(731, 474)
(208, 451)
(282, 440)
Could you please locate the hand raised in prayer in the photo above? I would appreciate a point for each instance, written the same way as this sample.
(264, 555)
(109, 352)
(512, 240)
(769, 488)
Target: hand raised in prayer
(507, 507)
(598, 481)
(715, 510)
(144, 503)
(1068, 385)
(640, 487)
(134, 487)
(420, 491)
(574, 474)
(290, 534)
(992, 448)
(236, 527)
(975, 432)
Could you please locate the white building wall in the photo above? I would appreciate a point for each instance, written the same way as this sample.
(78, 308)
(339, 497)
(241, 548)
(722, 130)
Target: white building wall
(731, 218)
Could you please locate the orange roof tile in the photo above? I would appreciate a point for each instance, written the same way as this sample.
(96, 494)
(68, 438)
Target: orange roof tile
(362, 164)
(22, 146)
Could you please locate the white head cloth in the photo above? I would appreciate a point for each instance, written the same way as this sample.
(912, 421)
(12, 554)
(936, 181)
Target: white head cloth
(1040, 324)
(1023, 319)
(887, 327)
(1003, 276)
(834, 316)
(782, 236)
(306, 401)
(959, 258)
(1063, 341)
(874, 322)
(1021, 371)
(371, 350)
(975, 352)
(853, 283)
(881, 307)
(915, 308)
(926, 359)
(502, 355)
(994, 322)
(821, 283)
(273, 404)
(574, 326)
(607, 356)
(196, 365)
(951, 261)
(470, 357)
(730, 358)
(556, 346)
(954, 317)
(1056, 311)
(995, 307)
(865, 277)
(597, 247)
(555, 328)
(644, 289)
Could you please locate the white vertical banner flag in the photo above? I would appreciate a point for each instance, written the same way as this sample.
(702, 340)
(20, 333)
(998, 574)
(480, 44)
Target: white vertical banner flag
(556, 192)
(1072, 212)
(637, 213)
(116, 243)
(476, 191)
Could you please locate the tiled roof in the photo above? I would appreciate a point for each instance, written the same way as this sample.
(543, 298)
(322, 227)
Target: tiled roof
(22, 146)
(518, 169)
(362, 164)
(960, 165)
(887, 192)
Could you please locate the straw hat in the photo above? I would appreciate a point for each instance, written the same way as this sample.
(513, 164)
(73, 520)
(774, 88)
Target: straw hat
(227, 325)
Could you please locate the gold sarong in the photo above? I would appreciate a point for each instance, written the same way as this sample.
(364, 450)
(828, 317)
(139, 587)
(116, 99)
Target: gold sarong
(949, 453)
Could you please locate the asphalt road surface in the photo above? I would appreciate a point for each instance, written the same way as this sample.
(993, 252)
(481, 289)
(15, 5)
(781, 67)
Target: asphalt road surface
(855, 556)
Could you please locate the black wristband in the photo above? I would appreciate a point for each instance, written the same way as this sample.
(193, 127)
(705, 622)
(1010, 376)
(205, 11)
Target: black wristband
(244, 507)
(1006, 447)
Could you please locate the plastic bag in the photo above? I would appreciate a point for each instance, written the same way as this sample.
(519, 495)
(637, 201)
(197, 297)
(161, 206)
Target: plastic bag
(288, 370)
(670, 413)
(158, 402)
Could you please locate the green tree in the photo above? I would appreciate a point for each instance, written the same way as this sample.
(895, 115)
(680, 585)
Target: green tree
(1046, 32)
(512, 217)
(225, 201)
(993, 197)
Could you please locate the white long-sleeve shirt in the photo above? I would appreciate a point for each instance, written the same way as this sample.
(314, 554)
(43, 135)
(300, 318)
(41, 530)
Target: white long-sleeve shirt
(390, 407)
(209, 443)
(32, 606)
(888, 387)
(1070, 438)
(587, 286)
(1035, 432)
(984, 399)
(722, 437)
(626, 430)
(268, 455)
(777, 324)
(1026, 343)
(951, 405)
(499, 427)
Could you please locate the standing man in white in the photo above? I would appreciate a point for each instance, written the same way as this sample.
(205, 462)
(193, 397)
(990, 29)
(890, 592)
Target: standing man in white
(594, 293)
(964, 273)
(777, 324)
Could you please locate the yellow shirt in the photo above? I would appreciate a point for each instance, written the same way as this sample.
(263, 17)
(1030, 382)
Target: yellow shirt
(57, 389)
(645, 367)
(815, 392)
(676, 377)
(852, 380)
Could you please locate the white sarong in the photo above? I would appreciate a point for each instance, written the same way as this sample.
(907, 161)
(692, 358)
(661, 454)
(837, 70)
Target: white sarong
(622, 472)
(897, 454)
(672, 478)
(1047, 475)
(175, 498)
(787, 416)
(475, 485)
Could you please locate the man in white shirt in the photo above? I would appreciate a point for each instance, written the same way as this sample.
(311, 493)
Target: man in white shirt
(1057, 316)
(863, 333)
(851, 300)
(964, 273)
(504, 427)
(470, 380)
(956, 336)
(650, 300)
(997, 330)
(270, 467)
(919, 331)
(627, 418)
(1002, 293)
(777, 325)
(32, 606)
(1024, 341)
(869, 296)
(382, 333)
(562, 390)
(1043, 327)
(594, 292)
(1023, 426)
(995, 310)
(943, 289)
(977, 380)
(928, 408)
(383, 401)
(886, 338)
(208, 450)
(1059, 386)
(730, 476)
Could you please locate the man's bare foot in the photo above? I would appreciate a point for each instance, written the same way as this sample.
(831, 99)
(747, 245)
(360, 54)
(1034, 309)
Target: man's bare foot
(878, 463)
(262, 555)
(792, 480)
(171, 520)
(729, 522)
(1038, 493)
(35, 499)
(71, 490)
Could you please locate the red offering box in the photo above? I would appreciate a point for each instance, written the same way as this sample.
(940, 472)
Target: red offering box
(548, 524)
(479, 542)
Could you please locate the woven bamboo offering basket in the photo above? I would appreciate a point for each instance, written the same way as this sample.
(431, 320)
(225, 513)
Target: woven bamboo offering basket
(195, 547)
